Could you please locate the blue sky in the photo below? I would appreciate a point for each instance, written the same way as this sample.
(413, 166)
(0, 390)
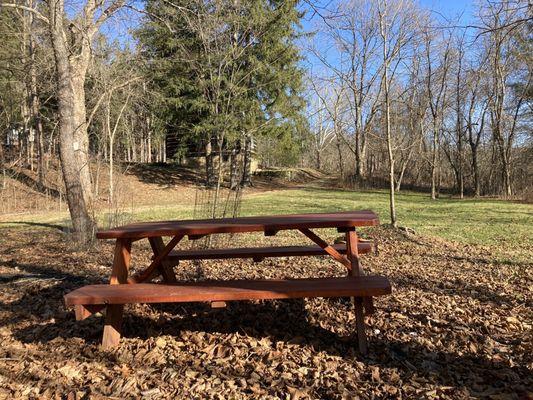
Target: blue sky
(451, 8)
(117, 29)
(447, 13)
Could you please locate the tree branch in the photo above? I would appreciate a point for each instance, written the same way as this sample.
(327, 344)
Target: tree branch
(21, 7)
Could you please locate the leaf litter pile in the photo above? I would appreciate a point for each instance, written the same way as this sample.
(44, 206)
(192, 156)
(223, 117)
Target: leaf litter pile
(458, 325)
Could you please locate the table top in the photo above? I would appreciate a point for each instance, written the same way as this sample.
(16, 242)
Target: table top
(269, 223)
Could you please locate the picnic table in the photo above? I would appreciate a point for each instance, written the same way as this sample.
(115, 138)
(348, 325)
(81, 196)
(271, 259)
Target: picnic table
(125, 288)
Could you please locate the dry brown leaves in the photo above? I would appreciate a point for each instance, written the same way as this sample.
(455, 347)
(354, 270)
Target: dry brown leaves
(458, 325)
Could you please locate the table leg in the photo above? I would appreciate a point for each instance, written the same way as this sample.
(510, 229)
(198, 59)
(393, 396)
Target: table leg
(121, 262)
(327, 247)
(166, 270)
(157, 262)
(353, 255)
(360, 325)
(113, 326)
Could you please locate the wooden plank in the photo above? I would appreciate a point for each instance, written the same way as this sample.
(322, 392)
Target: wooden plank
(360, 325)
(156, 263)
(327, 248)
(260, 252)
(209, 291)
(358, 301)
(113, 324)
(272, 223)
(352, 252)
(121, 262)
(158, 247)
(85, 311)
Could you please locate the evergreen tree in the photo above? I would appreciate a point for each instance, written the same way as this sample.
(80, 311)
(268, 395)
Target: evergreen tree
(224, 71)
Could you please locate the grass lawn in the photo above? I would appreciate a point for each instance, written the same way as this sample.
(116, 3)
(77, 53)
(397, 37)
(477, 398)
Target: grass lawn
(473, 221)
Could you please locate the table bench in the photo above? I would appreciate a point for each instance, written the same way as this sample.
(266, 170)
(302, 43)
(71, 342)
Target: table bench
(260, 253)
(125, 289)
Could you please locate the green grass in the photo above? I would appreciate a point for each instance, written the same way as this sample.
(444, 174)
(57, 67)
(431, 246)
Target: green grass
(474, 221)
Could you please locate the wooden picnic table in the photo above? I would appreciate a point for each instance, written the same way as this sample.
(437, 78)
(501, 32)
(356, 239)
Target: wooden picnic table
(137, 289)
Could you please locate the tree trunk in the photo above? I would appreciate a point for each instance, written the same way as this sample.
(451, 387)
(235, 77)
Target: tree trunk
(434, 161)
(35, 106)
(233, 179)
(220, 142)
(209, 164)
(392, 199)
(475, 168)
(74, 141)
(247, 163)
(339, 154)
(149, 144)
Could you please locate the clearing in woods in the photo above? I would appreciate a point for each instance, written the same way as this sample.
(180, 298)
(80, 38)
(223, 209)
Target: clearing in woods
(456, 325)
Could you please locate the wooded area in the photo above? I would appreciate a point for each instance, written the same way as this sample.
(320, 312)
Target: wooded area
(382, 94)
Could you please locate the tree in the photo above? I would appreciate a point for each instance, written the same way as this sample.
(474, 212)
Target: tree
(226, 71)
(72, 37)
(354, 60)
(498, 19)
(438, 64)
(396, 30)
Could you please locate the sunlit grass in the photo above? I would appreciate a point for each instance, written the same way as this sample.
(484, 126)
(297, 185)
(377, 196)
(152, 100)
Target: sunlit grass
(475, 221)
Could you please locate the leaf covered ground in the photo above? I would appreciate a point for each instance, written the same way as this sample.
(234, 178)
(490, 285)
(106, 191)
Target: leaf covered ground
(458, 325)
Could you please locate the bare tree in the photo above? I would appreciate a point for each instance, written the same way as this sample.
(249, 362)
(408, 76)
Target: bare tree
(354, 29)
(327, 117)
(72, 38)
(436, 82)
(396, 29)
(498, 20)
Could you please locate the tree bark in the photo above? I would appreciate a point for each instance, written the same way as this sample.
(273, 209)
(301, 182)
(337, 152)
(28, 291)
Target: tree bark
(233, 180)
(74, 141)
(434, 160)
(247, 163)
(209, 164)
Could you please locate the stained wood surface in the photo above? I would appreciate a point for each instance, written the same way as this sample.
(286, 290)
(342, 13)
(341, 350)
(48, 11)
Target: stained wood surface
(273, 223)
(229, 290)
(261, 252)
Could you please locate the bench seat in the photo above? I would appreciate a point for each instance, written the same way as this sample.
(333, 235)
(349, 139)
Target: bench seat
(259, 253)
(207, 291)
(90, 299)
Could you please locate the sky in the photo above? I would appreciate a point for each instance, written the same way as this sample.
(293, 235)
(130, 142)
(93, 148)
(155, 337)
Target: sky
(451, 8)
(117, 29)
(447, 12)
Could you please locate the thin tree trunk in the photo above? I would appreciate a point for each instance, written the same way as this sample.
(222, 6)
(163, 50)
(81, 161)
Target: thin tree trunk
(434, 160)
(339, 156)
(247, 163)
(209, 165)
(233, 181)
(392, 200)
(149, 144)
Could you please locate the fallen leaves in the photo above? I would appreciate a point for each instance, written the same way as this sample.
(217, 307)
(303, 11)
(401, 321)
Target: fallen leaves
(458, 325)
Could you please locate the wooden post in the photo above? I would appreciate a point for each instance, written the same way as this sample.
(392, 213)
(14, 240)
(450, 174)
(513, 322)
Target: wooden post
(166, 267)
(113, 326)
(353, 255)
(85, 311)
(121, 262)
(119, 275)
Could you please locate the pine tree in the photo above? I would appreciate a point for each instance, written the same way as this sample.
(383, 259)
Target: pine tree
(224, 71)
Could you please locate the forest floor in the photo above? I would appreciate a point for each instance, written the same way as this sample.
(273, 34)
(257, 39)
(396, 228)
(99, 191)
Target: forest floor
(458, 324)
